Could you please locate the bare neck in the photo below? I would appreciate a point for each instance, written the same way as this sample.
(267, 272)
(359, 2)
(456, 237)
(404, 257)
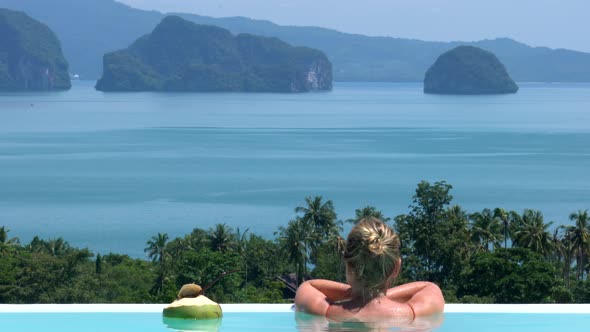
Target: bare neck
(364, 294)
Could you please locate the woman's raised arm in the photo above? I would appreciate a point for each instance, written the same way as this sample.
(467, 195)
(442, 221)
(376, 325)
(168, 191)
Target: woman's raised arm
(314, 296)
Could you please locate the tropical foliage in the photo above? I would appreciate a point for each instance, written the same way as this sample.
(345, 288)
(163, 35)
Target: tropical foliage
(367, 212)
(488, 256)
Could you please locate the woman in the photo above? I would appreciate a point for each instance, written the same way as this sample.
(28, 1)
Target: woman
(373, 262)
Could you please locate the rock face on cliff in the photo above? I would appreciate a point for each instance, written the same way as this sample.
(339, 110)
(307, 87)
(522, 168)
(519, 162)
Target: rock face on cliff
(182, 56)
(468, 70)
(30, 55)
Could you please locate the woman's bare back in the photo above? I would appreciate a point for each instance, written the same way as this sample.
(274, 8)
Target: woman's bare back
(378, 309)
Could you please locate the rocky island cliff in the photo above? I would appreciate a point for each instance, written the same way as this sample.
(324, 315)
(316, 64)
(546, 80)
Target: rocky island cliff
(468, 70)
(31, 58)
(183, 56)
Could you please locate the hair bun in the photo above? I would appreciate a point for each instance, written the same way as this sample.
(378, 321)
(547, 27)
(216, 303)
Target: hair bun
(376, 245)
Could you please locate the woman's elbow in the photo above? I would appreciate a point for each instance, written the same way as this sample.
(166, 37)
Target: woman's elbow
(310, 300)
(437, 300)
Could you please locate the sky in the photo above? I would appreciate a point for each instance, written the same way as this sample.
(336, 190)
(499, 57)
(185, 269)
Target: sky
(551, 23)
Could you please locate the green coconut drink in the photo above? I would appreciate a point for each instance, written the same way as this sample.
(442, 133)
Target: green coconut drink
(200, 307)
(191, 305)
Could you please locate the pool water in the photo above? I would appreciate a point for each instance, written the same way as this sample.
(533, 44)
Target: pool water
(287, 321)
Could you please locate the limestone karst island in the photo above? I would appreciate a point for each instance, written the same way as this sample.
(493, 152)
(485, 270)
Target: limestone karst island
(31, 58)
(183, 56)
(468, 70)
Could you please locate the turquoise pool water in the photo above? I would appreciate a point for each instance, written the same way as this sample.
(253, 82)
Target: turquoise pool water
(147, 322)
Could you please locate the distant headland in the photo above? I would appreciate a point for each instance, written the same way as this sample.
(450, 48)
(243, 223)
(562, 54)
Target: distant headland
(468, 70)
(183, 56)
(30, 55)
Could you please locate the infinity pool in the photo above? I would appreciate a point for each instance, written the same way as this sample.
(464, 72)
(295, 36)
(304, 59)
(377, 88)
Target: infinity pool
(456, 319)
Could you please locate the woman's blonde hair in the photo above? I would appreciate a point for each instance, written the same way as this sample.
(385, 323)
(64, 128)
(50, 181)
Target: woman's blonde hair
(372, 252)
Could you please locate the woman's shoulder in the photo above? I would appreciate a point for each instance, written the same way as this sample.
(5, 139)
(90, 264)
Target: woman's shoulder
(427, 299)
(423, 297)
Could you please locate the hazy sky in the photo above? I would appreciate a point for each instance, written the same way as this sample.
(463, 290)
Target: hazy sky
(552, 23)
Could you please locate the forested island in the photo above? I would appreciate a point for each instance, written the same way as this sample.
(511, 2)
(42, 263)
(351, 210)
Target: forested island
(183, 56)
(30, 55)
(490, 256)
(355, 57)
(468, 70)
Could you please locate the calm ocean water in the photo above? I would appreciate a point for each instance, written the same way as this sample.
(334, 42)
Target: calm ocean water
(108, 171)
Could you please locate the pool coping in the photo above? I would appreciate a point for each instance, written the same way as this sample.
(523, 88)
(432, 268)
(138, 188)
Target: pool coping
(153, 308)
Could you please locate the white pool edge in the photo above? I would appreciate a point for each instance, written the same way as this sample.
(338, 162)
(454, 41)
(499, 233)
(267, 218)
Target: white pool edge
(152, 308)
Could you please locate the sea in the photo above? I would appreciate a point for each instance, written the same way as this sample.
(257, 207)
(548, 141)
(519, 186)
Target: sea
(107, 171)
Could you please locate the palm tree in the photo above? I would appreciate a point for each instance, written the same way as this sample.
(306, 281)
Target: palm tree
(177, 247)
(515, 224)
(198, 239)
(98, 264)
(504, 218)
(156, 248)
(320, 220)
(338, 243)
(459, 221)
(241, 248)
(580, 236)
(558, 244)
(37, 245)
(221, 237)
(567, 250)
(320, 216)
(295, 240)
(532, 233)
(485, 229)
(159, 282)
(367, 212)
(5, 242)
(241, 240)
(455, 212)
(57, 247)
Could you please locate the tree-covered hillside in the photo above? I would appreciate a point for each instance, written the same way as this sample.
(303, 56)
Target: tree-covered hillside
(182, 56)
(90, 28)
(468, 70)
(30, 55)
